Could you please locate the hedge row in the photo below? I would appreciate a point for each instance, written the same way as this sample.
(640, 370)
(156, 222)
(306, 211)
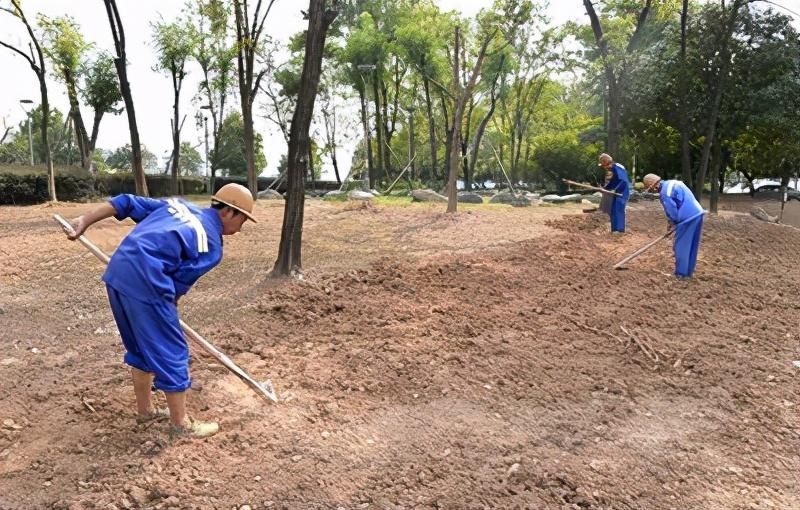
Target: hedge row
(24, 189)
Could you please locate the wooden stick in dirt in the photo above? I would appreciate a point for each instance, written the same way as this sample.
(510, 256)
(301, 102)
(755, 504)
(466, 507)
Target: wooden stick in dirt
(263, 390)
(499, 162)
(586, 186)
(389, 189)
(641, 250)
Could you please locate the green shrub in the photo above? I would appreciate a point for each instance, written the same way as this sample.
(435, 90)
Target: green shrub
(25, 185)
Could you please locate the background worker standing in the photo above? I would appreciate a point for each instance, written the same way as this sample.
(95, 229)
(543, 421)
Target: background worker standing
(172, 245)
(618, 182)
(685, 214)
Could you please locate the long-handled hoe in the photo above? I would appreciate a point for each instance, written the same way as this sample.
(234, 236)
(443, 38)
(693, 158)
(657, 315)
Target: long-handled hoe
(621, 263)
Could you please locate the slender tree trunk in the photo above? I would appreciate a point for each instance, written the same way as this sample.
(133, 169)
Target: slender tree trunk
(412, 148)
(719, 88)
(176, 133)
(289, 251)
(716, 170)
(120, 62)
(75, 111)
(51, 173)
(448, 137)
(380, 169)
(248, 36)
(367, 140)
(98, 116)
(686, 160)
(431, 128)
(476, 144)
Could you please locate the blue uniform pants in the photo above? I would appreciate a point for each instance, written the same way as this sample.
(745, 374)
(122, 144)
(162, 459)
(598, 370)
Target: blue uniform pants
(686, 245)
(618, 215)
(153, 339)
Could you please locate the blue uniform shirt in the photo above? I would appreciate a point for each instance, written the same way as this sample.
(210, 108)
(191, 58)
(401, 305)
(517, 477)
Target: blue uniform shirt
(619, 181)
(679, 202)
(173, 244)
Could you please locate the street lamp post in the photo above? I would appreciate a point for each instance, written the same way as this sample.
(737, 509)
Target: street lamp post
(28, 113)
(205, 125)
(366, 68)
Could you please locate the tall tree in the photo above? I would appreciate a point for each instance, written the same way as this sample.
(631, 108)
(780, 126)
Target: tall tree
(175, 43)
(36, 61)
(320, 18)
(66, 48)
(249, 33)
(462, 95)
(215, 53)
(616, 67)
(722, 64)
(121, 63)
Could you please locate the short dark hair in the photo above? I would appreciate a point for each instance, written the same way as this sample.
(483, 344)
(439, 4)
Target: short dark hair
(219, 206)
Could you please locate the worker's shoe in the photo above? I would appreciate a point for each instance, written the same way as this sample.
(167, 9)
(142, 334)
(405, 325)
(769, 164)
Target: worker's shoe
(158, 414)
(194, 429)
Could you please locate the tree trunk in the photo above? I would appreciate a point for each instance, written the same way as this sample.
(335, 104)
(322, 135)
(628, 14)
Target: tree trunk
(711, 127)
(367, 141)
(51, 174)
(412, 148)
(380, 169)
(289, 251)
(476, 144)
(686, 160)
(248, 36)
(80, 129)
(716, 170)
(176, 136)
(784, 185)
(249, 147)
(120, 62)
(98, 116)
(431, 128)
(461, 99)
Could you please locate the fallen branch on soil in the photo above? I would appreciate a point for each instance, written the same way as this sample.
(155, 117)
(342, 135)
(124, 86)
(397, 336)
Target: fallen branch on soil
(263, 390)
(648, 350)
(87, 404)
(594, 330)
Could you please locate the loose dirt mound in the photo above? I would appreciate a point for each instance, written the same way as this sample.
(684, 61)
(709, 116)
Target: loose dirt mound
(501, 375)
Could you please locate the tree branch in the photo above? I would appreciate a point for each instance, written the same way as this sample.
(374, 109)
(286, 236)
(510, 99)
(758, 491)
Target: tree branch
(637, 34)
(26, 57)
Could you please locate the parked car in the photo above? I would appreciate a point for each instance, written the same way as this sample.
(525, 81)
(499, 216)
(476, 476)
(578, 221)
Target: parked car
(774, 191)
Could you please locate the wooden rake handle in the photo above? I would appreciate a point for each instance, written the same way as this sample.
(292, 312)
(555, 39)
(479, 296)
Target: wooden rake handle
(263, 391)
(595, 188)
(641, 250)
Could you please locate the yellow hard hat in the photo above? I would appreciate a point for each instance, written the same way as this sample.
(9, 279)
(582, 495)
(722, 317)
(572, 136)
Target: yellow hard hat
(236, 197)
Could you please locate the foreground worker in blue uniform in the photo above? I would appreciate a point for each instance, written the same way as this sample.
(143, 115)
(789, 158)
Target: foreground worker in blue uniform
(618, 182)
(685, 214)
(173, 244)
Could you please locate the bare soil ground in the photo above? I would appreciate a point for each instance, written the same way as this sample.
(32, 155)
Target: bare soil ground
(484, 360)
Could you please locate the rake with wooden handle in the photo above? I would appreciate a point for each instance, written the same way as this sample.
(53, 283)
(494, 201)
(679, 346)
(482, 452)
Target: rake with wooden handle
(621, 263)
(264, 390)
(595, 188)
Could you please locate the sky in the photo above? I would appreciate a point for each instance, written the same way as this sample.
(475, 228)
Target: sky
(152, 91)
